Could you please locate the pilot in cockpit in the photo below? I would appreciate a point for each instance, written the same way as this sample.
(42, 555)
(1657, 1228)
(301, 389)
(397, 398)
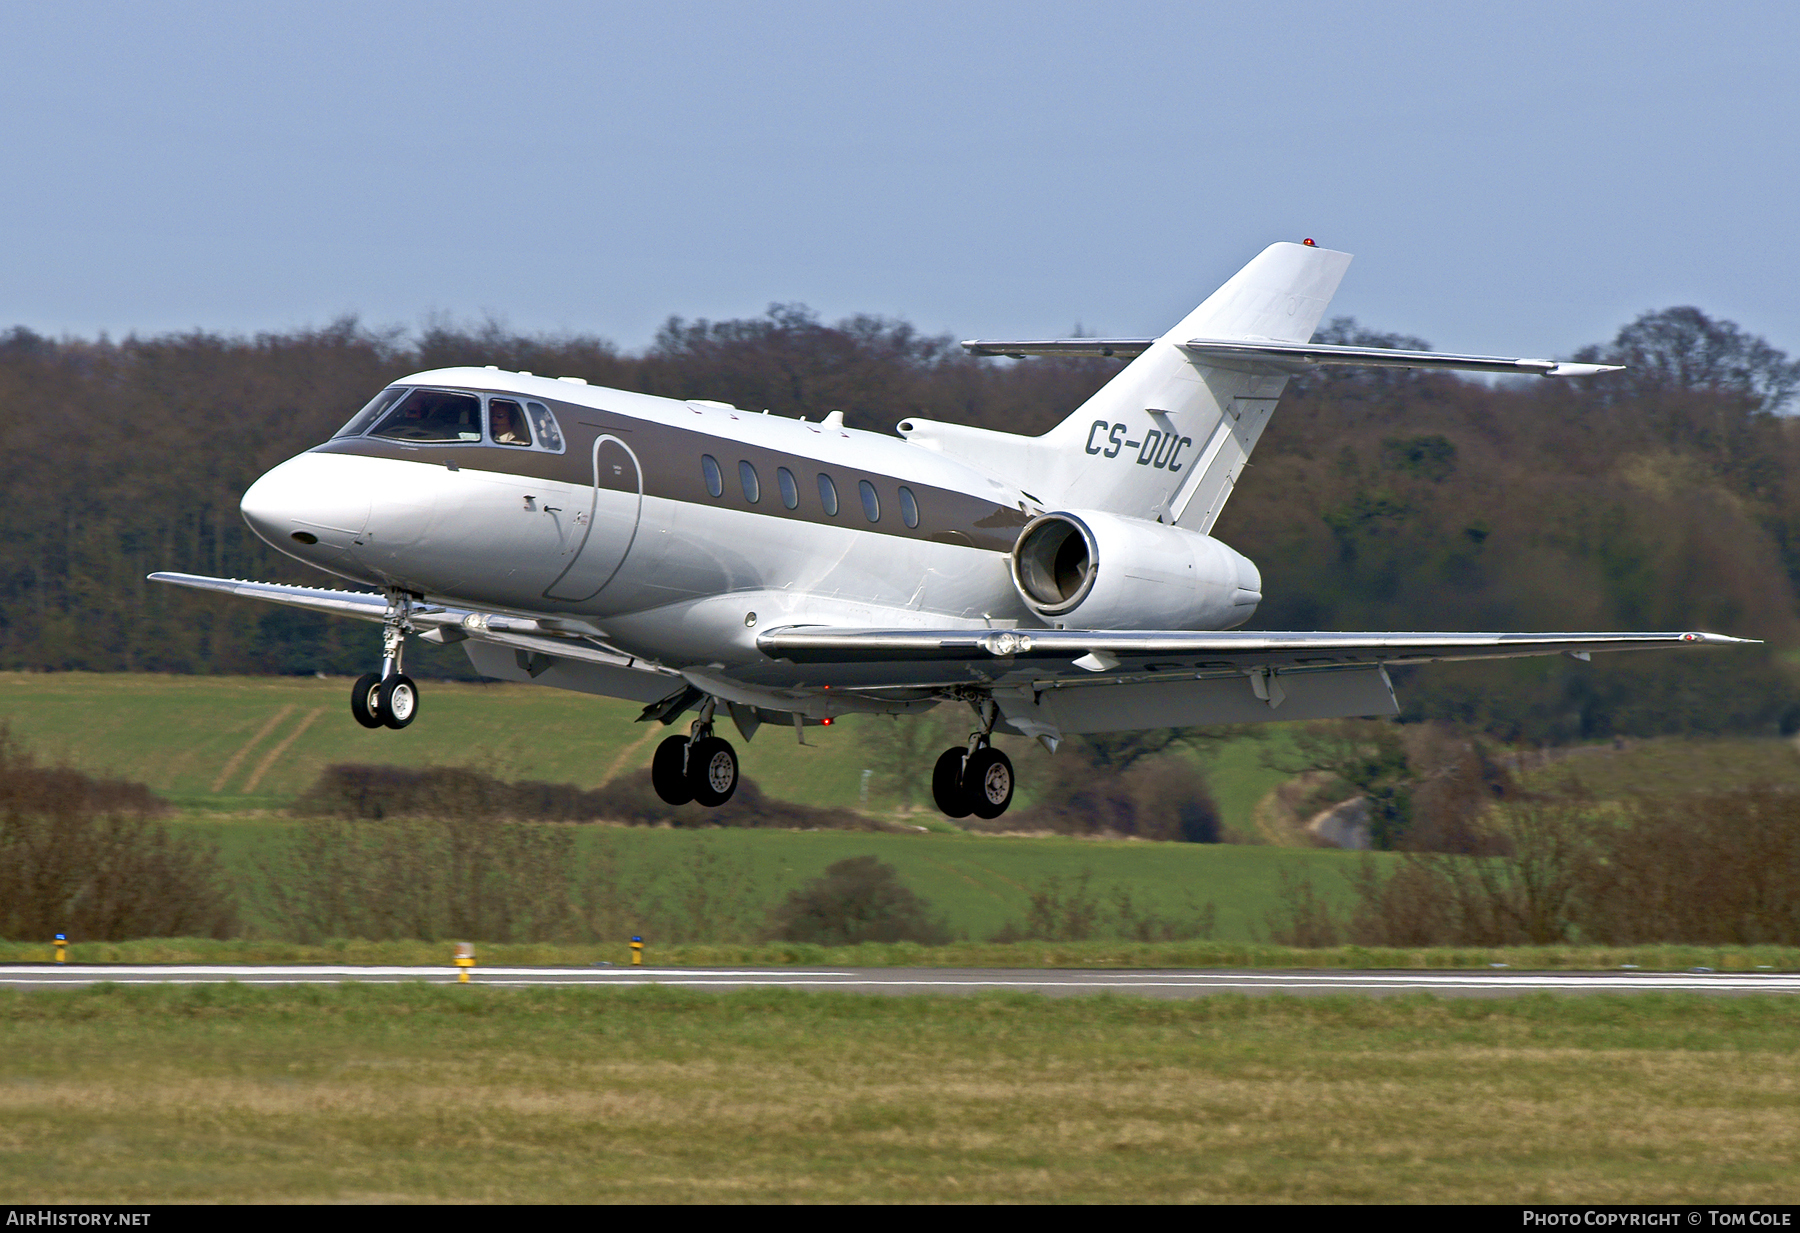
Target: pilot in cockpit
(506, 421)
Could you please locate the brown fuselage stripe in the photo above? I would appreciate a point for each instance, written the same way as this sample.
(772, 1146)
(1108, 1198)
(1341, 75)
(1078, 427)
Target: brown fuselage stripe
(670, 458)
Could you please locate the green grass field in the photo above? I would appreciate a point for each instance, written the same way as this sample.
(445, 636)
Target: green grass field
(1670, 766)
(249, 743)
(447, 1094)
(235, 751)
(977, 882)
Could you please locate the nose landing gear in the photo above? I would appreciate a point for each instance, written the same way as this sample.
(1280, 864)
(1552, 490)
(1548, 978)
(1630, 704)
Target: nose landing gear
(696, 767)
(976, 779)
(389, 698)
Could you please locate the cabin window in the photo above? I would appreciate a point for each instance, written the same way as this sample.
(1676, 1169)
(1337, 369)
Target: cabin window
(433, 415)
(506, 423)
(715, 479)
(909, 507)
(828, 495)
(359, 424)
(747, 477)
(871, 503)
(790, 491)
(549, 435)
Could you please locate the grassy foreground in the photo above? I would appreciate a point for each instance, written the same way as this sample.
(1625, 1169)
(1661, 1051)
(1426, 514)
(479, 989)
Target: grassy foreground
(254, 743)
(420, 1093)
(1093, 954)
(977, 882)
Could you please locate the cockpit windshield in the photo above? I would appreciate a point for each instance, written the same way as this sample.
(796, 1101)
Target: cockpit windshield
(406, 413)
(433, 415)
(359, 423)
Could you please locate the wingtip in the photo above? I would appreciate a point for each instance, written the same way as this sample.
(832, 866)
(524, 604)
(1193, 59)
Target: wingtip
(1568, 369)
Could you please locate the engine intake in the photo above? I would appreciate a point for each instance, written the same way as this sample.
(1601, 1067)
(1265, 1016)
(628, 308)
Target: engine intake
(1107, 571)
(1053, 564)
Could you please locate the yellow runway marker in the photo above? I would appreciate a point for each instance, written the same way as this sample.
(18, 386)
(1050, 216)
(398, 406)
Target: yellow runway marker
(238, 757)
(274, 755)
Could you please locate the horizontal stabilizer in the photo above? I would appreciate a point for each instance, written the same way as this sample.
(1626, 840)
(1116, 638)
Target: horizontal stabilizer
(1290, 357)
(1287, 357)
(1109, 348)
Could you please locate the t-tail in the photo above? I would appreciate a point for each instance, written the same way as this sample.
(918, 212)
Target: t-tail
(1168, 437)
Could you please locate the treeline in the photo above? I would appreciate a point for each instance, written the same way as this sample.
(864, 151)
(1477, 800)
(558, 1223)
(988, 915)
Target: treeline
(1663, 498)
(1714, 869)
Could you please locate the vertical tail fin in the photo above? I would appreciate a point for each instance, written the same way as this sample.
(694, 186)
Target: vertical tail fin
(1168, 437)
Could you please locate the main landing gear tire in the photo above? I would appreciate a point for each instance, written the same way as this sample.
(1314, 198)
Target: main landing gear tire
(362, 700)
(712, 771)
(397, 701)
(987, 782)
(668, 771)
(947, 784)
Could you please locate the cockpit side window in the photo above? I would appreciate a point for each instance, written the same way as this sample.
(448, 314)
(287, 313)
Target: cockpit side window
(359, 424)
(506, 422)
(433, 415)
(549, 435)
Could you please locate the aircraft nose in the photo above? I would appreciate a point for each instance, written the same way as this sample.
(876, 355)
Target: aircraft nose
(306, 501)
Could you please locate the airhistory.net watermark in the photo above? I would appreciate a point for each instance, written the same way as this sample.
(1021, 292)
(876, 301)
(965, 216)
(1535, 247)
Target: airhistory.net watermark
(54, 1218)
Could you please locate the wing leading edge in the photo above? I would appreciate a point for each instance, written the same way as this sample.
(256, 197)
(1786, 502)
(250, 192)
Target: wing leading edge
(1078, 652)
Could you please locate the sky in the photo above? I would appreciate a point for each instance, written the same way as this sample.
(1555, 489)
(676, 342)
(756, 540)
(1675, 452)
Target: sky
(1513, 178)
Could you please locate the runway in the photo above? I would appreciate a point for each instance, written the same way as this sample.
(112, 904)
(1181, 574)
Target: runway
(903, 981)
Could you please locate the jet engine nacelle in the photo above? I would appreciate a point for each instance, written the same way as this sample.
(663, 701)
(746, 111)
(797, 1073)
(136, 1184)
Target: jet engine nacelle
(1092, 570)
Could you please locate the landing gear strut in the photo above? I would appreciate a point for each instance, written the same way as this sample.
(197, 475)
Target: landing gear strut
(696, 767)
(388, 698)
(977, 778)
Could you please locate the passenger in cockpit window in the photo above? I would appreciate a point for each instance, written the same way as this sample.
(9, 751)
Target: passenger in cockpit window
(506, 422)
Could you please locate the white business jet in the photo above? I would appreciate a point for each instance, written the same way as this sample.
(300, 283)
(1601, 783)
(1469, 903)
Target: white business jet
(692, 556)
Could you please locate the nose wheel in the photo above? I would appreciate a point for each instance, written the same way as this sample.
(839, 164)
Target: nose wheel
(698, 767)
(389, 698)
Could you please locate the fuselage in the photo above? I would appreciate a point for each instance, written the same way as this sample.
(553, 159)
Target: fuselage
(680, 529)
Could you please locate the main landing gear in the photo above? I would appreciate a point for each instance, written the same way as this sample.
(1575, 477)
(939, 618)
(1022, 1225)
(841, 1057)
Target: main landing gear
(696, 767)
(389, 698)
(977, 778)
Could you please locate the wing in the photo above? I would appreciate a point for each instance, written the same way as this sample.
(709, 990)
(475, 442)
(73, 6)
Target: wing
(570, 654)
(1075, 652)
(1048, 682)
